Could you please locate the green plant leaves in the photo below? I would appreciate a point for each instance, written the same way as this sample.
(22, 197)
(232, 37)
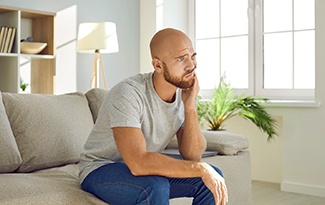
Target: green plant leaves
(224, 104)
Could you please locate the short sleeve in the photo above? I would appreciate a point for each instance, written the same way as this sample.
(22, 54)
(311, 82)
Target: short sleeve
(125, 106)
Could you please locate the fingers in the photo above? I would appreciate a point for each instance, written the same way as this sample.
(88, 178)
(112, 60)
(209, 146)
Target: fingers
(196, 83)
(216, 183)
(219, 192)
(221, 196)
(223, 190)
(226, 195)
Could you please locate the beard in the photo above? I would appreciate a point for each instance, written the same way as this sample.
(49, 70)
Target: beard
(178, 81)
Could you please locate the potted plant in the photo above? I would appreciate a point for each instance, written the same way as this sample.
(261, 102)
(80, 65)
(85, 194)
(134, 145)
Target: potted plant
(23, 86)
(224, 104)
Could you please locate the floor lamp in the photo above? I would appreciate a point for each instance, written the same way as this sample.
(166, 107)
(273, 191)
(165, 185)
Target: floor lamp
(97, 38)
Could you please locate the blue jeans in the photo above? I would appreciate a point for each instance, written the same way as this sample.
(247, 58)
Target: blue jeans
(114, 184)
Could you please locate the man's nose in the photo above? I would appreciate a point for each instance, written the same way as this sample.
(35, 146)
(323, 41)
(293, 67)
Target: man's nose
(191, 64)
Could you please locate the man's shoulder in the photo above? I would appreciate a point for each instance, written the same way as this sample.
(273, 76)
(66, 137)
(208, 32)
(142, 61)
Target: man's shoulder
(135, 83)
(139, 79)
(134, 87)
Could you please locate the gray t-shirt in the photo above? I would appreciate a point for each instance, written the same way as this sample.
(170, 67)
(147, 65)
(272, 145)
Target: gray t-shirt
(131, 103)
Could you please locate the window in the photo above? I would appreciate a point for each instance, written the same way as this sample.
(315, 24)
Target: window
(264, 48)
(159, 14)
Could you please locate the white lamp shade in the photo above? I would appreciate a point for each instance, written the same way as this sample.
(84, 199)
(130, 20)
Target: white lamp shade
(97, 36)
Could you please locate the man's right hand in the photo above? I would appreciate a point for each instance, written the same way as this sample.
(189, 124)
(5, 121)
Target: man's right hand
(215, 183)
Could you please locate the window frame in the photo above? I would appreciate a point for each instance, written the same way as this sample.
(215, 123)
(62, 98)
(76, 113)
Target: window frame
(255, 57)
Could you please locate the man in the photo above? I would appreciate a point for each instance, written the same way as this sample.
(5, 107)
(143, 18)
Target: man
(122, 163)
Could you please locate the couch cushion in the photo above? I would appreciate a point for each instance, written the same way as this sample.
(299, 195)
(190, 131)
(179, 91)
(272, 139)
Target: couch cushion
(53, 186)
(225, 142)
(9, 154)
(95, 98)
(50, 130)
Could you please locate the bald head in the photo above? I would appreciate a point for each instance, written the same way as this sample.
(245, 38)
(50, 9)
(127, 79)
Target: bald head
(168, 40)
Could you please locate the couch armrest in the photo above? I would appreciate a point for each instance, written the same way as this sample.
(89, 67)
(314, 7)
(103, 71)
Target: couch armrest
(223, 142)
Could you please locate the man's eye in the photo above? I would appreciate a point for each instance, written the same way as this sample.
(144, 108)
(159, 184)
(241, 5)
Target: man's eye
(180, 59)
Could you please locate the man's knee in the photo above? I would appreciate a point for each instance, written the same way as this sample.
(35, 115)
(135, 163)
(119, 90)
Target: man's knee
(217, 169)
(157, 191)
(158, 185)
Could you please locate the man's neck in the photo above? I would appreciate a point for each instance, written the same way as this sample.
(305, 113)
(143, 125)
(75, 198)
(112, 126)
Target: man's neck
(165, 90)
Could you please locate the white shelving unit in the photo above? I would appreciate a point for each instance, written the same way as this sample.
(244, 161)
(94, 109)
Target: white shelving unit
(36, 70)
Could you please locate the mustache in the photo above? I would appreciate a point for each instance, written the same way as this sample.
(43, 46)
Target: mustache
(188, 72)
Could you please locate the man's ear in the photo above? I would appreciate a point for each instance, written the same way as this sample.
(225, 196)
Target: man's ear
(157, 65)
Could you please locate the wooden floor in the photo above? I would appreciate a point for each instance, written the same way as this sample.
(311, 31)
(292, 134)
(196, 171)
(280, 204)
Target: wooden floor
(270, 194)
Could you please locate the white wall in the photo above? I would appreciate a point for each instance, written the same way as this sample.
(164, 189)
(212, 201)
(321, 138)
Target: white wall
(147, 30)
(70, 63)
(148, 27)
(296, 159)
(119, 65)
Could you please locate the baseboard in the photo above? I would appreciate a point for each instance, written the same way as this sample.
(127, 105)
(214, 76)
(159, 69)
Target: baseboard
(303, 189)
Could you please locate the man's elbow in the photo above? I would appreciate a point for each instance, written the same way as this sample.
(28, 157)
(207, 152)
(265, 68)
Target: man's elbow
(140, 166)
(137, 170)
(197, 156)
(195, 159)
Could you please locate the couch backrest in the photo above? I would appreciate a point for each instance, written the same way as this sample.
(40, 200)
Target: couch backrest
(49, 130)
(95, 98)
(10, 158)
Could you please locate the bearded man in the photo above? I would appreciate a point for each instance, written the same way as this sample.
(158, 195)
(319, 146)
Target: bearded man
(122, 164)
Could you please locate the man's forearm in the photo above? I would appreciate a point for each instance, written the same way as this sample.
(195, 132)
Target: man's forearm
(153, 163)
(192, 142)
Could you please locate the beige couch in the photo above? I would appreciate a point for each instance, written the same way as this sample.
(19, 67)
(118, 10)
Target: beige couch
(41, 137)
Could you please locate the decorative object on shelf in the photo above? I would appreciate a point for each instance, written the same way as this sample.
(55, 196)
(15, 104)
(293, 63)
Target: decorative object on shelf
(7, 37)
(28, 39)
(32, 47)
(28, 46)
(224, 104)
(97, 38)
(23, 86)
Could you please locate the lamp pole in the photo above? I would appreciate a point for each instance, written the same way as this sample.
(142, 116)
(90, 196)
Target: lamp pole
(98, 63)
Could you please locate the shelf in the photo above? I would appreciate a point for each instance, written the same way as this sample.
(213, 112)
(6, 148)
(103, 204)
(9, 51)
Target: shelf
(27, 56)
(38, 70)
(9, 54)
(37, 56)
